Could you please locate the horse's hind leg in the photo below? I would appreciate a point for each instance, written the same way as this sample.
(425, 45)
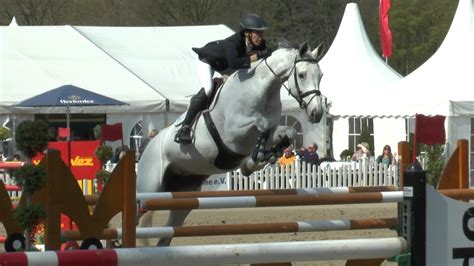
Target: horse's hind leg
(180, 183)
(176, 218)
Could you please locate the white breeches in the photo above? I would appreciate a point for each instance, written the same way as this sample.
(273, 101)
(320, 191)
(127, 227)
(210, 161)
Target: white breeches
(204, 73)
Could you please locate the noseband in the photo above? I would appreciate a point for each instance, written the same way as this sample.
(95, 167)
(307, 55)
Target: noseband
(300, 95)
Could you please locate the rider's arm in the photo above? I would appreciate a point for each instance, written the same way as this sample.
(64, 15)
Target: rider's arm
(235, 60)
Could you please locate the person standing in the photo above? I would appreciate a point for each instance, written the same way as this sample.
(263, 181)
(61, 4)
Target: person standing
(288, 156)
(224, 56)
(361, 152)
(386, 157)
(310, 155)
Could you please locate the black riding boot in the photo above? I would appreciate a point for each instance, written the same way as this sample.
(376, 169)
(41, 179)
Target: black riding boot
(198, 103)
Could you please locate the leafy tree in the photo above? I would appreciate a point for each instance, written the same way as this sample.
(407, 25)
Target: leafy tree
(435, 162)
(31, 137)
(4, 133)
(34, 12)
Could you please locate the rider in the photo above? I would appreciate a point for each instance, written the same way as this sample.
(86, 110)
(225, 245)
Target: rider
(228, 55)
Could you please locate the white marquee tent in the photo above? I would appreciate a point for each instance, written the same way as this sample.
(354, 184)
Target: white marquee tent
(355, 78)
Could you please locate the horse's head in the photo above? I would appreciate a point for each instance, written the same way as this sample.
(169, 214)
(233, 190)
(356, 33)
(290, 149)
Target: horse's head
(303, 82)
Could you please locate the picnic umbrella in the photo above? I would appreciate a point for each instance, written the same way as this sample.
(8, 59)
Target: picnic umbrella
(68, 96)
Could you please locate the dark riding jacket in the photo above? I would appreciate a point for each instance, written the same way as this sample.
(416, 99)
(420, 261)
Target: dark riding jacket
(228, 54)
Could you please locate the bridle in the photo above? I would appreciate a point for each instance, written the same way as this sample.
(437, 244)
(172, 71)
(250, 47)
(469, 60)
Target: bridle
(300, 95)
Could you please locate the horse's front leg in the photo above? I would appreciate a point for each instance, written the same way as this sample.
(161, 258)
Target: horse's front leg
(278, 139)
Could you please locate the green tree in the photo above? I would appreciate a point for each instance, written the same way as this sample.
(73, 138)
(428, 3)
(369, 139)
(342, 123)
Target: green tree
(31, 137)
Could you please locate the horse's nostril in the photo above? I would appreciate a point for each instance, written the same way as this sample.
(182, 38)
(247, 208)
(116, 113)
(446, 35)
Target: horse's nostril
(316, 116)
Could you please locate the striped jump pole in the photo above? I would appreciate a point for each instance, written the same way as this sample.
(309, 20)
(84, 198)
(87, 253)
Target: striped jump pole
(272, 201)
(217, 254)
(244, 229)
(270, 192)
(91, 199)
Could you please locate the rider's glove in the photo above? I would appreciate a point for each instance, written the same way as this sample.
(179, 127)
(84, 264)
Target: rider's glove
(263, 53)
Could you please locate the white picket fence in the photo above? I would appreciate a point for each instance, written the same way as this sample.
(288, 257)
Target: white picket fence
(302, 175)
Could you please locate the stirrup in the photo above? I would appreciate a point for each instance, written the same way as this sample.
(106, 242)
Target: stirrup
(183, 135)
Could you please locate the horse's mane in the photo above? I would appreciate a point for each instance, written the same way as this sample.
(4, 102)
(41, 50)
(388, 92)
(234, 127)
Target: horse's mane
(286, 44)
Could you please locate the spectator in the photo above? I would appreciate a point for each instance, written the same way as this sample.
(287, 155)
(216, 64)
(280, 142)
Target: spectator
(386, 157)
(288, 156)
(310, 155)
(145, 142)
(361, 152)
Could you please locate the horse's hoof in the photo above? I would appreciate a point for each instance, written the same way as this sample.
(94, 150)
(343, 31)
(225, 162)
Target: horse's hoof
(272, 160)
(245, 172)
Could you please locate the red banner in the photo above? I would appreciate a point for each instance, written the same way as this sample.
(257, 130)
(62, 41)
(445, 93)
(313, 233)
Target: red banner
(84, 163)
(430, 130)
(64, 132)
(112, 132)
(385, 33)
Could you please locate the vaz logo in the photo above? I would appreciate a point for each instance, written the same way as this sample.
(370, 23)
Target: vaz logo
(82, 161)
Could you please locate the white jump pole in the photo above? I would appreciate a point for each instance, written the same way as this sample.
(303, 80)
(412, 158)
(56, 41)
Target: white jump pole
(223, 254)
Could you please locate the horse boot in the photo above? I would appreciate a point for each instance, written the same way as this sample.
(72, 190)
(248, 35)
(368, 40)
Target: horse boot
(272, 155)
(198, 103)
(259, 151)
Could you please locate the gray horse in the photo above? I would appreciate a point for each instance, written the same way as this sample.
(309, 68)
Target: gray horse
(244, 115)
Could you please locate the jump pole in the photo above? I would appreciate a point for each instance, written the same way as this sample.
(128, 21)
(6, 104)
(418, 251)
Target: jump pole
(217, 254)
(243, 229)
(272, 201)
(92, 199)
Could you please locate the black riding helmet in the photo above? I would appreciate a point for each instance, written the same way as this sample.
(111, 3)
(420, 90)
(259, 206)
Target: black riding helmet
(252, 22)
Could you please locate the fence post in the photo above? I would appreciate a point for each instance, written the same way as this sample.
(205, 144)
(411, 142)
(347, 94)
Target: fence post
(414, 213)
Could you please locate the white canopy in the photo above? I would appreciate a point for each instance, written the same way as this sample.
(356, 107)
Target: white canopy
(37, 59)
(354, 73)
(159, 56)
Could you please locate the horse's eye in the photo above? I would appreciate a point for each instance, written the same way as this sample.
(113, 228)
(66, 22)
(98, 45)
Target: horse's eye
(301, 75)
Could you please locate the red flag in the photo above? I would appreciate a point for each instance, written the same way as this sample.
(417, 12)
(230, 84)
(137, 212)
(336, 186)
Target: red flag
(385, 33)
(64, 132)
(430, 130)
(112, 132)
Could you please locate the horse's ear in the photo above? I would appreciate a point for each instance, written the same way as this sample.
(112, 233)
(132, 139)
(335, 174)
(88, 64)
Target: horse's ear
(318, 52)
(304, 48)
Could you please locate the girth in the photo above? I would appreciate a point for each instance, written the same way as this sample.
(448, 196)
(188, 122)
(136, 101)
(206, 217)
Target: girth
(226, 158)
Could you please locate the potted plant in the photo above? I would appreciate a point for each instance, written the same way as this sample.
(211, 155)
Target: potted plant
(4, 135)
(31, 137)
(104, 153)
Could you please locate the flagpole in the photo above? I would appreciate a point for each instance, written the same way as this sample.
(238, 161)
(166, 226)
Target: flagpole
(68, 137)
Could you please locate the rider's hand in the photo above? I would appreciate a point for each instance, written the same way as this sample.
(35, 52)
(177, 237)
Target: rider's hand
(263, 53)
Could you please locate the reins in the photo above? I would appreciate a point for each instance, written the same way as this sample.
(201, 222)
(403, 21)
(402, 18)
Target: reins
(301, 95)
